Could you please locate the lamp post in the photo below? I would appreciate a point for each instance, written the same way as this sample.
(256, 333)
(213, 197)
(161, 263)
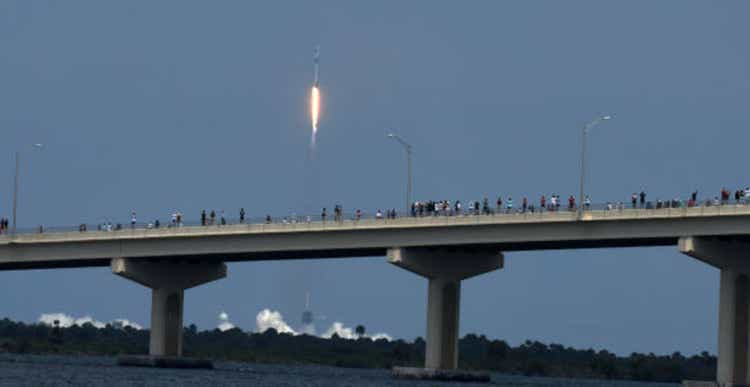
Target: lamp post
(407, 148)
(585, 131)
(15, 188)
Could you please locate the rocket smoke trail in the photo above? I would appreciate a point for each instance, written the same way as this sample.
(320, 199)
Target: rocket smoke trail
(315, 99)
(311, 199)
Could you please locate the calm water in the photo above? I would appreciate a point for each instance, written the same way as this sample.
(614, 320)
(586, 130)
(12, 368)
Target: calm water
(29, 370)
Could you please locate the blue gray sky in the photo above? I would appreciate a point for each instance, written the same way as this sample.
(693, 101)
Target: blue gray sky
(185, 105)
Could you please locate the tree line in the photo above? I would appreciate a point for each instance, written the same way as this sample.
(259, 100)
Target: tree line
(477, 352)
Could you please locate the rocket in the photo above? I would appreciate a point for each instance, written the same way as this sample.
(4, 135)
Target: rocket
(315, 97)
(316, 64)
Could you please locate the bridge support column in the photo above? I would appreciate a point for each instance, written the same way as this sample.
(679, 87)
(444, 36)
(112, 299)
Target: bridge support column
(733, 259)
(445, 269)
(168, 282)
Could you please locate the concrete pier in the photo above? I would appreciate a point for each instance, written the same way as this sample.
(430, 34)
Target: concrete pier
(734, 305)
(168, 282)
(445, 269)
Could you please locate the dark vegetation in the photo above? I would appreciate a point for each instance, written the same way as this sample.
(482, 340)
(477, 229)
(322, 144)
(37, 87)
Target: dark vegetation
(476, 352)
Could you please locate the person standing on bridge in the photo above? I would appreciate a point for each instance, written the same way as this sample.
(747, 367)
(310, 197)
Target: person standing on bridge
(524, 204)
(634, 199)
(587, 202)
(132, 220)
(323, 214)
(542, 203)
(242, 215)
(643, 198)
(509, 205)
(338, 212)
(212, 217)
(203, 217)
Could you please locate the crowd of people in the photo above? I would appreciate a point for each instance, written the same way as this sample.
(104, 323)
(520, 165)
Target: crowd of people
(503, 205)
(553, 202)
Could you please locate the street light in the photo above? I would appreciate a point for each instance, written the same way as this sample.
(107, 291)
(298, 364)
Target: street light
(585, 131)
(15, 187)
(407, 148)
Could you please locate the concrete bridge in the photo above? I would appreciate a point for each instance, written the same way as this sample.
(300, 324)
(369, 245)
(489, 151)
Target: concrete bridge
(445, 250)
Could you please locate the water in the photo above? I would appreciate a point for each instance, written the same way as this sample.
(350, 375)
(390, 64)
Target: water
(36, 370)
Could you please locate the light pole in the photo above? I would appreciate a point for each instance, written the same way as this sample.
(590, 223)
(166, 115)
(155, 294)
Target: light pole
(15, 188)
(407, 148)
(585, 131)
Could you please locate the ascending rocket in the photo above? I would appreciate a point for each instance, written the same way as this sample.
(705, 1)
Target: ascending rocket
(315, 97)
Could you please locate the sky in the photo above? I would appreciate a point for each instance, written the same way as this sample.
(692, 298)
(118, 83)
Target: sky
(190, 105)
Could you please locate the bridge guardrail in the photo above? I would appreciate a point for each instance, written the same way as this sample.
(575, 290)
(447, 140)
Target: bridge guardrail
(350, 219)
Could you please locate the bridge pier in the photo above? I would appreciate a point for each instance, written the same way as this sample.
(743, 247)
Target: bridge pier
(445, 269)
(168, 282)
(734, 304)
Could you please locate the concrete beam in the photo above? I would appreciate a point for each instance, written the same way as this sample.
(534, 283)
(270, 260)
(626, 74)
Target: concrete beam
(734, 304)
(168, 282)
(168, 275)
(445, 268)
(446, 263)
(721, 254)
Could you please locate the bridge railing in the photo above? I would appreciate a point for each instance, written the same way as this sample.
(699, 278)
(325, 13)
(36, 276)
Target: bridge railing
(368, 218)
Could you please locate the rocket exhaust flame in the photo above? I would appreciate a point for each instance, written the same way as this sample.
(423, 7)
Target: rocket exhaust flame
(315, 108)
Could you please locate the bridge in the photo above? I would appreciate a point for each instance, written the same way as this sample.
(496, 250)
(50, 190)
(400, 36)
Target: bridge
(443, 249)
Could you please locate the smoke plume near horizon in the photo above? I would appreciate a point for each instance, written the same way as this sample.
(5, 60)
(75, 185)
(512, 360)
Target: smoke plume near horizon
(224, 323)
(267, 319)
(67, 321)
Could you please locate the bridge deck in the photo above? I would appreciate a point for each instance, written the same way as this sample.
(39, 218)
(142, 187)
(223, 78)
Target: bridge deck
(370, 237)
